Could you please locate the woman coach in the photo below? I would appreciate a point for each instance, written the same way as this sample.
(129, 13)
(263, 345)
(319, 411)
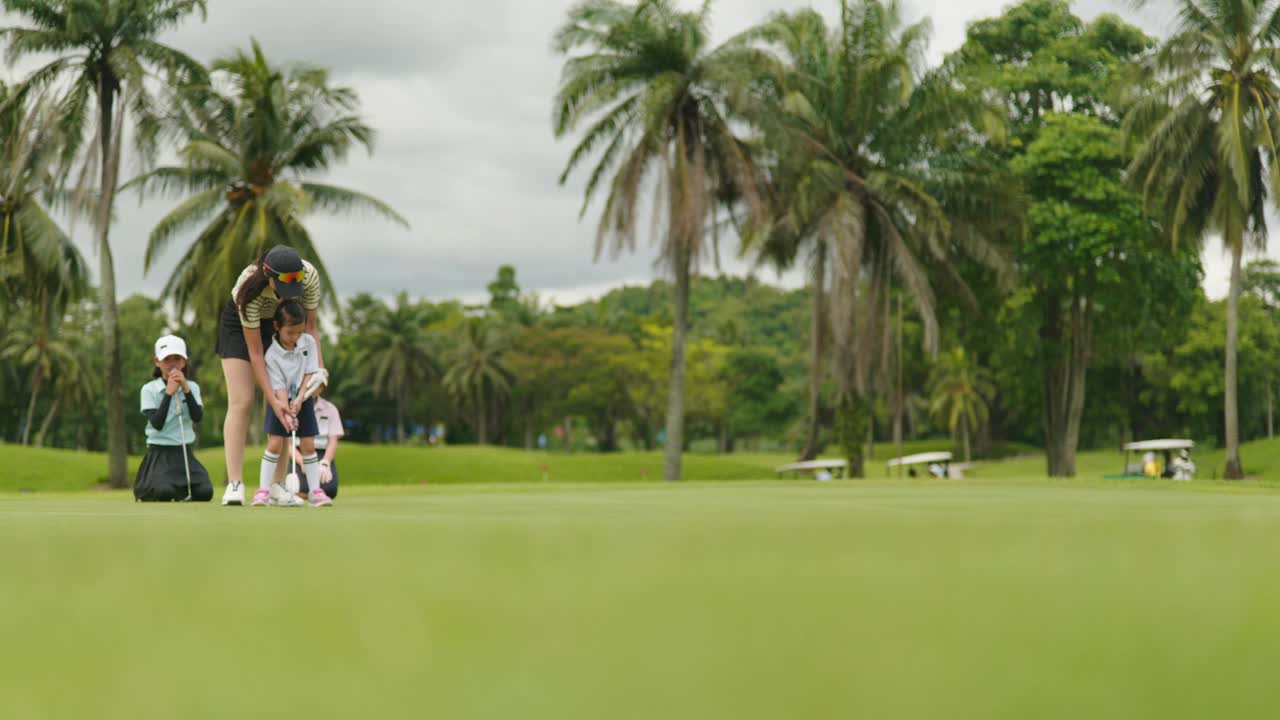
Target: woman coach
(244, 334)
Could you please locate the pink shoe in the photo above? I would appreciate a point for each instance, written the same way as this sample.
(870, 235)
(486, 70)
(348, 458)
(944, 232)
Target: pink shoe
(262, 497)
(319, 499)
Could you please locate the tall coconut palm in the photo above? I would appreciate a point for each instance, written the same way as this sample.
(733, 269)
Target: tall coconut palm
(853, 122)
(38, 261)
(477, 378)
(1205, 131)
(396, 354)
(107, 53)
(960, 393)
(656, 101)
(35, 344)
(244, 169)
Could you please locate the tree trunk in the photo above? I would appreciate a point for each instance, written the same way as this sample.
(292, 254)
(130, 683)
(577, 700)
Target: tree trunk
(851, 432)
(964, 437)
(675, 396)
(528, 434)
(1234, 469)
(1064, 359)
(817, 346)
(109, 135)
(36, 382)
(609, 436)
(400, 416)
(871, 435)
(48, 420)
(644, 434)
(481, 430)
(898, 400)
(1270, 430)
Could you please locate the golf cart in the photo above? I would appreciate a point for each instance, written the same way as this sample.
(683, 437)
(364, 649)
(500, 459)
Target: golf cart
(821, 469)
(1166, 447)
(938, 464)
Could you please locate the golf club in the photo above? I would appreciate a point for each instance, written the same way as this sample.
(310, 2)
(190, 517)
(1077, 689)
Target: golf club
(182, 428)
(291, 480)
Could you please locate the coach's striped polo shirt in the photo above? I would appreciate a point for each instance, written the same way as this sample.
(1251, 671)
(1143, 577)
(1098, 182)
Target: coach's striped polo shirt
(264, 306)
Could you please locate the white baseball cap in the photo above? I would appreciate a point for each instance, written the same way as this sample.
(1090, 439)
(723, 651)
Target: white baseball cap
(170, 345)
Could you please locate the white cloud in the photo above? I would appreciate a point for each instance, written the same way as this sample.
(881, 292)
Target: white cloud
(461, 96)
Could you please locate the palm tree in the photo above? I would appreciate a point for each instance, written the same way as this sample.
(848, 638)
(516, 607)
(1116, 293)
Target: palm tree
(74, 385)
(853, 125)
(38, 261)
(107, 52)
(1205, 131)
(35, 343)
(656, 100)
(959, 395)
(243, 172)
(396, 353)
(477, 378)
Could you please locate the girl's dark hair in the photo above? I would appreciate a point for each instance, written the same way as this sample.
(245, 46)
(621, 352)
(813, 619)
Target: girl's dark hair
(252, 286)
(290, 312)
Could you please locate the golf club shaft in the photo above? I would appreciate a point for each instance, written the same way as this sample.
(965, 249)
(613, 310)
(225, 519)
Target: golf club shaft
(182, 428)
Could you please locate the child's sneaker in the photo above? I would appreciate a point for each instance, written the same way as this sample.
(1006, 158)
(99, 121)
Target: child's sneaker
(262, 497)
(319, 499)
(281, 497)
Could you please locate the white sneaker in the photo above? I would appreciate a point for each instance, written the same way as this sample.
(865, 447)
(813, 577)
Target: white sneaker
(281, 497)
(234, 494)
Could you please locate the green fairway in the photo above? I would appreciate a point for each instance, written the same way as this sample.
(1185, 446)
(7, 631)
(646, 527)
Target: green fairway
(746, 600)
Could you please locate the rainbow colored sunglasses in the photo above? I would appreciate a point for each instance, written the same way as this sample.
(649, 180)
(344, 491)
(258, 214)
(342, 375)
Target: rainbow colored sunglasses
(288, 278)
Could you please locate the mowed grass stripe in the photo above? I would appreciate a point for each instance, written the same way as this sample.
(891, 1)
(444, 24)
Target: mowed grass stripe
(755, 600)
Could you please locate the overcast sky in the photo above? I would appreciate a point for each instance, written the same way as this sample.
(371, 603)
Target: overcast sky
(460, 94)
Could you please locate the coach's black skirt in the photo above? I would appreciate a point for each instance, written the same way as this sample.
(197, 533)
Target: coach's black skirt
(161, 478)
(231, 334)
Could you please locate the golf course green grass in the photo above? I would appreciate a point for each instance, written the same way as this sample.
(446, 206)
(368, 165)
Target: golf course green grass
(866, 599)
(458, 583)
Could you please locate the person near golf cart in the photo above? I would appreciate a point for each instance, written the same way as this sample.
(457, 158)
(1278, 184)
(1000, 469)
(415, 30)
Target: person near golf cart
(244, 335)
(1183, 468)
(172, 405)
(290, 362)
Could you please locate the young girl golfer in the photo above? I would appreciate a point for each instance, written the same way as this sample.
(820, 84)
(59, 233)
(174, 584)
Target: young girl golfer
(291, 360)
(172, 406)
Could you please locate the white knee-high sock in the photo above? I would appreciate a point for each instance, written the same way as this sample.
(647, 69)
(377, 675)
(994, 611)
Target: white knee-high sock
(268, 470)
(311, 468)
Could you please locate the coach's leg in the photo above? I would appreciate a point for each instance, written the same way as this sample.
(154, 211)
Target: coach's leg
(235, 429)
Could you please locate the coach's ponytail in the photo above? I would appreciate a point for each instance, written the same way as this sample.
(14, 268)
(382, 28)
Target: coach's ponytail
(253, 286)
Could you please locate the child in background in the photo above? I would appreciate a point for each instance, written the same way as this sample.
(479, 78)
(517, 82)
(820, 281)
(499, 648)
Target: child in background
(162, 475)
(291, 360)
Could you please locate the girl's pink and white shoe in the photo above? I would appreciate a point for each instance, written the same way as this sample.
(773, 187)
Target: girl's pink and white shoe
(262, 497)
(319, 499)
